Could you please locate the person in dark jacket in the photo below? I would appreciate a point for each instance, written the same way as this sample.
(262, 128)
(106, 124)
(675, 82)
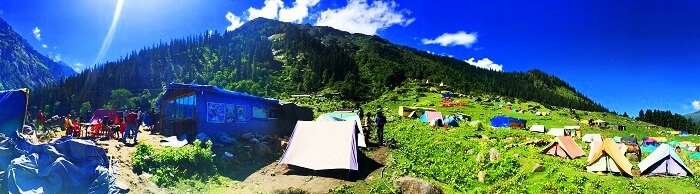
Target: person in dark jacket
(380, 120)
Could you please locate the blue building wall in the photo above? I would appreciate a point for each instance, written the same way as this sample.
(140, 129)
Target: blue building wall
(217, 111)
(236, 124)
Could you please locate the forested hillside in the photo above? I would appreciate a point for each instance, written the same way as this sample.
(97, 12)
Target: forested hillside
(668, 119)
(274, 59)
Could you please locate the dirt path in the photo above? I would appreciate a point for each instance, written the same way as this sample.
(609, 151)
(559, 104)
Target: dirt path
(273, 177)
(121, 164)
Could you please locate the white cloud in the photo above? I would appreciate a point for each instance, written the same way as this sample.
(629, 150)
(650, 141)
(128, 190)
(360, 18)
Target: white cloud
(297, 13)
(37, 33)
(696, 105)
(362, 17)
(275, 9)
(453, 39)
(485, 63)
(234, 20)
(269, 11)
(44, 46)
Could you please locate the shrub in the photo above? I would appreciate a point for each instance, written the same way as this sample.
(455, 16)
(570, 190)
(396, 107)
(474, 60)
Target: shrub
(170, 165)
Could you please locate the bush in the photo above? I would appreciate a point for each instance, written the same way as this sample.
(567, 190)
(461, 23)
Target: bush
(170, 165)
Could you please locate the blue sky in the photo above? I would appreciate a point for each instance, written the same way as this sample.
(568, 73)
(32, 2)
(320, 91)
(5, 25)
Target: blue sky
(627, 55)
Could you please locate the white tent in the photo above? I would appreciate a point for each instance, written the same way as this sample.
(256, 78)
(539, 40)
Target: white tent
(322, 145)
(664, 161)
(537, 128)
(346, 116)
(592, 137)
(556, 132)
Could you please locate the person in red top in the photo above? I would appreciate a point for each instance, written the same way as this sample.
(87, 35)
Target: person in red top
(131, 126)
(41, 118)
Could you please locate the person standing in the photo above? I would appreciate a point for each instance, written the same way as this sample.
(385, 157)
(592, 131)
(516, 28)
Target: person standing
(367, 125)
(380, 120)
(41, 118)
(131, 126)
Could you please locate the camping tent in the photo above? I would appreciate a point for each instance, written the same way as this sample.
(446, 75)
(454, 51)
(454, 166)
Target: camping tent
(452, 121)
(684, 133)
(629, 140)
(407, 111)
(607, 156)
(503, 121)
(664, 161)
(572, 130)
(648, 148)
(617, 139)
(588, 138)
(100, 113)
(429, 116)
(537, 128)
(556, 132)
(322, 145)
(13, 107)
(563, 146)
(346, 116)
(650, 141)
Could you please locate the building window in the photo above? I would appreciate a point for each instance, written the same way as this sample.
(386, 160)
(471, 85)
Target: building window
(181, 108)
(259, 113)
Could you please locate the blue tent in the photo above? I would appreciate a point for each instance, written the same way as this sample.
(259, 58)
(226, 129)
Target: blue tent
(684, 133)
(13, 108)
(452, 121)
(504, 122)
(188, 108)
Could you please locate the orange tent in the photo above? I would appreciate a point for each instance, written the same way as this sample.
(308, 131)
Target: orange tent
(607, 156)
(564, 146)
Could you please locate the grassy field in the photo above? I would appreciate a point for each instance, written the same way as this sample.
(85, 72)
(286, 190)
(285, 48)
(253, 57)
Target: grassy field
(453, 157)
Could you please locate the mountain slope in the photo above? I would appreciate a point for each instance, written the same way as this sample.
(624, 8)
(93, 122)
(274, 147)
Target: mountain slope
(694, 117)
(273, 58)
(22, 66)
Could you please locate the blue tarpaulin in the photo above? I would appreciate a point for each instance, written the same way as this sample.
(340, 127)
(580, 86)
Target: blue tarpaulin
(65, 165)
(13, 107)
(504, 122)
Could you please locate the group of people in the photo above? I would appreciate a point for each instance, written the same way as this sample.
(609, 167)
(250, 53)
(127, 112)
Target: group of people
(122, 127)
(378, 121)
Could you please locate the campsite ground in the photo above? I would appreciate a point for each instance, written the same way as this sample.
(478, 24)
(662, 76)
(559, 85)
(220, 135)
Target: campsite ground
(271, 178)
(450, 158)
(121, 158)
(453, 158)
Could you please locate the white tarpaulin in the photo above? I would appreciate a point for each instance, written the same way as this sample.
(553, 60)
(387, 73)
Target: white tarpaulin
(537, 128)
(322, 145)
(556, 132)
(346, 116)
